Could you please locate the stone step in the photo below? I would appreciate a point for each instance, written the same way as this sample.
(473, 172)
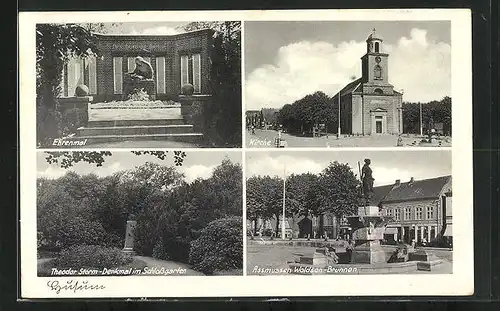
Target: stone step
(134, 114)
(151, 122)
(180, 137)
(135, 130)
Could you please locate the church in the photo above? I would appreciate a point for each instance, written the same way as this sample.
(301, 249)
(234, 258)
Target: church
(370, 105)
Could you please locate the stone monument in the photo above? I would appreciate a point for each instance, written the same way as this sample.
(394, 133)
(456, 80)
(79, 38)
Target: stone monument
(139, 79)
(130, 236)
(368, 225)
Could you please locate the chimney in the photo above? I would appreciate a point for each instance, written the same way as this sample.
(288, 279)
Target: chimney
(396, 184)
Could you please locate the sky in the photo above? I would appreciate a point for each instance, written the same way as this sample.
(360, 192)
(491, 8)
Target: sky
(284, 61)
(387, 166)
(146, 28)
(196, 164)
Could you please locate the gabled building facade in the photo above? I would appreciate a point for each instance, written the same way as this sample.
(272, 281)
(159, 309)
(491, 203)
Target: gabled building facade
(421, 210)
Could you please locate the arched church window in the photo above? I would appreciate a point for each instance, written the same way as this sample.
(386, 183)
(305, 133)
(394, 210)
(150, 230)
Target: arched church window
(378, 91)
(377, 47)
(378, 72)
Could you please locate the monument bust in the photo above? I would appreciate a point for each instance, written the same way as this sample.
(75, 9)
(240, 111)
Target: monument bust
(367, 180)
(140, 78)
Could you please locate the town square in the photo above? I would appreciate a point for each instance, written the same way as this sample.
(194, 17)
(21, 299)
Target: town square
(333, 215)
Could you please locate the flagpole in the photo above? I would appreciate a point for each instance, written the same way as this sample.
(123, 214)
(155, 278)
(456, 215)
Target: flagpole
(283, 222)
(338, 130)
(421, 125)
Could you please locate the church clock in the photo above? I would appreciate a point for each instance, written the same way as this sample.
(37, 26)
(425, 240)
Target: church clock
(377, 59)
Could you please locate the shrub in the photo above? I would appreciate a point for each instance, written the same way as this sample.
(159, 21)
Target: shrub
(80, 231)
(219, 247)
(91, 257)
(177, 248)
(159, 251)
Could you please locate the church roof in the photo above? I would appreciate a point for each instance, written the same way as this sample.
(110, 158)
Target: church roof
(408, 191)
(349, 88)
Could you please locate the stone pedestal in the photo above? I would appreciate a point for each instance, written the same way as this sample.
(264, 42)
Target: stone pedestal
(148, 85)
(194, 109)
(369, 252)
(319, 258)
(74, 112)
(426, 261)
(368, 230)
(129, 237)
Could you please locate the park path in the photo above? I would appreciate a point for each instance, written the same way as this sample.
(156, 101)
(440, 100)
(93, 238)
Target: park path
(157, 263)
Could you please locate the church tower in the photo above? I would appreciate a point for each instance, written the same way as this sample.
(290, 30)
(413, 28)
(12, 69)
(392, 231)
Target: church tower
(374, 63)
(371, 106)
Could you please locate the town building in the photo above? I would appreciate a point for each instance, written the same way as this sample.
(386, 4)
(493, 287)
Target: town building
(421, 210)
(369, 105)
(176, 60)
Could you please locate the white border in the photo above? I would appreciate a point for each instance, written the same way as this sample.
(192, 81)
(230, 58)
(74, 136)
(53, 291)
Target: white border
(458, 283)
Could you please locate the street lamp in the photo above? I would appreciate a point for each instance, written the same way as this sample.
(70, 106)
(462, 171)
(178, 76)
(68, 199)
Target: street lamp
(283, 221)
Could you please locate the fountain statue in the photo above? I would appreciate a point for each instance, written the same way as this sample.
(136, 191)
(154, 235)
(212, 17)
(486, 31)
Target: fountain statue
(368, 225)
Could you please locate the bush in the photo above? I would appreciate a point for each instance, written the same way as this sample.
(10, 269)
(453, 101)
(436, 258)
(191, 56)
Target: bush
(219, 247)
(159, 251)
(177, 248)
(80, 231)
(91, 257)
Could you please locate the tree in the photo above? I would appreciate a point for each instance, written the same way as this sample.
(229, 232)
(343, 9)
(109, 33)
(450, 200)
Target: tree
(55, 45)
(99, 27)
(304, 114)
(301, 197)
(66, 159)
(432, 112)
(339, 191)
(266, 198)
(255, 203)
(225, 80)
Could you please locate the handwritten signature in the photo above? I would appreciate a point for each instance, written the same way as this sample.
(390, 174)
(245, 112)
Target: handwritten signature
(74, 286)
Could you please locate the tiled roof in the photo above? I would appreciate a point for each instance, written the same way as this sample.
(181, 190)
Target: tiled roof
(349, 88)
(418, 189)
(380, 193)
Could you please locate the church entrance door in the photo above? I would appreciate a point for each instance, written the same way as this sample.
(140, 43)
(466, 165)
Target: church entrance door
(378, 127)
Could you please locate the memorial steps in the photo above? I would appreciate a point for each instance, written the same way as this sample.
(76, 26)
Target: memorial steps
(138, 123)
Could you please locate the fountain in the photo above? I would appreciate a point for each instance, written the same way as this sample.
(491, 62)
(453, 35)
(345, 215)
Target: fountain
(367, 256)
